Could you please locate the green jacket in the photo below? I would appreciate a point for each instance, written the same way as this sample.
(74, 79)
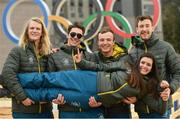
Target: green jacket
(166, 57)
(63, 60)
(147, 103)
(111, 84)
(167, 62)
(23, 61)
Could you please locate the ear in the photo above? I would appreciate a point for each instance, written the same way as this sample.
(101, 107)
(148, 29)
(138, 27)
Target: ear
(137, 30)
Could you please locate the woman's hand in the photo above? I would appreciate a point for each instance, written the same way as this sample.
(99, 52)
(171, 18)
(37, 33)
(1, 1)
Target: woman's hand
(130, 100)
(54, 50)
(93, 102)
(27, 102)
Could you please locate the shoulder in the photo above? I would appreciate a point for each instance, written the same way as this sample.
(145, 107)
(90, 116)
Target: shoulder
(16, 50)
(164, 43)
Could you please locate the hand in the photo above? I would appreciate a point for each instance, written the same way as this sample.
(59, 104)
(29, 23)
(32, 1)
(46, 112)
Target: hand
(59, 100)
(164, 84)
(93, 102)
(78, 57)
(130, 100)
(54, 50)
(28, 102)
(165, 94)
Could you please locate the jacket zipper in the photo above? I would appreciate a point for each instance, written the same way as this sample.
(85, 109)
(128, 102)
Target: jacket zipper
(114, 91)
(147, 109)
(145, 48)
(39, 71)
(74, 63)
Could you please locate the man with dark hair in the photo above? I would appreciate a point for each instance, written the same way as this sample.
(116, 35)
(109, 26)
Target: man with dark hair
(63, 60)
(108, 51)
(166, 57)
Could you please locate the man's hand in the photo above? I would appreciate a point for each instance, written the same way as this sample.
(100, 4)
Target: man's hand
(164, 84)
(165, 94)
(93, 102)
(59, 100)
(78, 57)
(27, 102)
(130, 100)
(54, 50)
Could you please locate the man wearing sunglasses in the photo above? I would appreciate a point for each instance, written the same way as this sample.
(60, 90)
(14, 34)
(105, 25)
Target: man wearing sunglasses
(62, 60)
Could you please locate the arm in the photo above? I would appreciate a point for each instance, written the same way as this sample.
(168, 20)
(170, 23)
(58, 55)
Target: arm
(51, 63)
(156, 104)
(91, 64)
(115, 89)
(173, 66)
(9, 74)
(113, 66)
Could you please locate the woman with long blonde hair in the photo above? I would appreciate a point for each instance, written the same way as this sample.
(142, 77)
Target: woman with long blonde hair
(29, 56)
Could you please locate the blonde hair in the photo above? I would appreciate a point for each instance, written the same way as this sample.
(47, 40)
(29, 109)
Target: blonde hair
(44, 44)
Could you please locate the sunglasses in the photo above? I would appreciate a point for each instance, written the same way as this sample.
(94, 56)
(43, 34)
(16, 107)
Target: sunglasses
(73, 34)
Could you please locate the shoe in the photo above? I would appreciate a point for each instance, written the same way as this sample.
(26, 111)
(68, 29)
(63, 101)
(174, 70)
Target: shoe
(4, 93)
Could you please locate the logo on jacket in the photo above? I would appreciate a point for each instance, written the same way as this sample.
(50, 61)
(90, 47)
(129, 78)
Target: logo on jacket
(31, 61)
(65, 61)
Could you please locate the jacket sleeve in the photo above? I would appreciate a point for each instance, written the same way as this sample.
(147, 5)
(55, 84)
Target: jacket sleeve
(155, 104)
(118, 89)
(173, 69)
(109, 67)
(9, 74)
(51, 63)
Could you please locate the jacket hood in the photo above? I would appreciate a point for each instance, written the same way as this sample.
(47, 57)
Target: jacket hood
(153, 40)
(118, 51)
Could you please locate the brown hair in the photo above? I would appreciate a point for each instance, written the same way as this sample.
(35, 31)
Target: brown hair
(141, 18)
(76, 25)
(105, 30)
(154, 79)
(135, 78)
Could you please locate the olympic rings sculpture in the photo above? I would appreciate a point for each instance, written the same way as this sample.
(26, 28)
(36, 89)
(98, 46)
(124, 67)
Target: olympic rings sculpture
(97, 17)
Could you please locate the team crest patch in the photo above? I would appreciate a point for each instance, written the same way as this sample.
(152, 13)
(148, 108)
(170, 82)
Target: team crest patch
(31, 61)
(65, 61)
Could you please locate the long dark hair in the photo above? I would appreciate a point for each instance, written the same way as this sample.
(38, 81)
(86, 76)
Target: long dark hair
(135, 78)
(153, 77)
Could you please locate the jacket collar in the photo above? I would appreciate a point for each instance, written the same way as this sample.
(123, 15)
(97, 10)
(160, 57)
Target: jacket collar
(152, 41)
(118, 51)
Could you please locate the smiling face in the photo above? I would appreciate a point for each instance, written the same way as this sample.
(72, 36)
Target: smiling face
(34, 31)
(106, 43)
(74, 36)
(145, 65)
(144, 29)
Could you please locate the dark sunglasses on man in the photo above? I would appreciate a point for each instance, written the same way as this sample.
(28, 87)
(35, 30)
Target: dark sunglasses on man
(73, 34)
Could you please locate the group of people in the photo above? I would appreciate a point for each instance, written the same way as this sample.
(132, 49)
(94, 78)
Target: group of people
(146, 76)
